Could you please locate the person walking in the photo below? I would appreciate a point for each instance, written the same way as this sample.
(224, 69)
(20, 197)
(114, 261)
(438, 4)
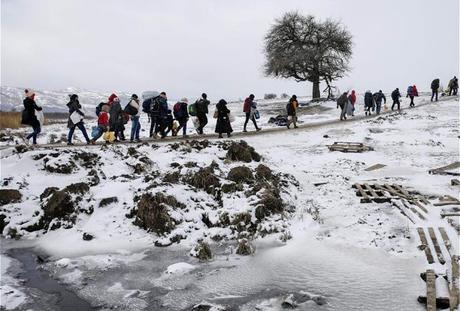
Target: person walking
(379, 97)
(116, 117)
(342, 102)
(201, 112)
(223, 120)
(411, 93)
(160, 112)
(453, 86)
(154, 113)
(291, 108)
(29, 116)
(434, 89)
(369, 102)
(351, 104)
(181, 115)
(395, 95)
(248, 108)
(102, 123)
(135, 118)
(75, 119)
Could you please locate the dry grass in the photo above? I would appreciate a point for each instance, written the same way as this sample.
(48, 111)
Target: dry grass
(10, 119)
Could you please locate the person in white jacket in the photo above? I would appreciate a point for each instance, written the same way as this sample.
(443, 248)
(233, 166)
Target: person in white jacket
(136, 124)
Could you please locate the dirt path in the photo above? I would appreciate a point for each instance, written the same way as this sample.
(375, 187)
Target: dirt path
(237, 135)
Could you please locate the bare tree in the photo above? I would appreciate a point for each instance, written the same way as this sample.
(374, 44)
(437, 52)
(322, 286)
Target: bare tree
(302, 48)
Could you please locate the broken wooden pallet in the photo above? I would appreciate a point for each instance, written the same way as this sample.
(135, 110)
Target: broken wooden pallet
(447, 170)
(455, 182)
(453, 285)
(377, 193)
(447, 200)
(349, 147)
(425, 245)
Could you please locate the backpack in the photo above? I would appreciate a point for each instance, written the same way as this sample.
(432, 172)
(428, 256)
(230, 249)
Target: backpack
(410, 90)
(289, 109)
(156, 105)
(99, 109)
(192, 109)
(130, 110)
(435, 84)
(146, 105)
(177, 109)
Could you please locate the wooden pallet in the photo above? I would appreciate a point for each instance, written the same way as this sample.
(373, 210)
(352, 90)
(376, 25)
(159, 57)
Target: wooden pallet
(447, 200)
(436, 246)
(446, 170)
(349, 147)
(432, 302)
(379, 193)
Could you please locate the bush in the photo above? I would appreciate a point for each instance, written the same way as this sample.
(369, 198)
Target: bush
(241, 151)
(270, 96)
(284, 96)
(240, 174)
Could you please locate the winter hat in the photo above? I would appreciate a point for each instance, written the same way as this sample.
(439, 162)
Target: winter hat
(112, 97)
(204, 95)
(184, 100)
(73, 97)
(251, 96)
(294, 96)
(163, 93)
(29, 93)
(134, 96)
(222, 102)
(353, 92)
(116, 99)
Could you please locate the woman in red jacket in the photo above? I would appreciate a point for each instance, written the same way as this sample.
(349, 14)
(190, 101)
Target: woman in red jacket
(102, 123)
(352, 101)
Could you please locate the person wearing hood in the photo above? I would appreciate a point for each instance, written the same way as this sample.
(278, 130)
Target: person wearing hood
(201, 112)
(395, 95)
(292, 107)
(116, 117)
(249, 107)
(75, 119)
(379, 97)
(453, 86)
(351, 103)
(223, 120)
(181, 115)
(411, 93)
(135, 122)
(368, 102)
(29, 117)
(434, 89)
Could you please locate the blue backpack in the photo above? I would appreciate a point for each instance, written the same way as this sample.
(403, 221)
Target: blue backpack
(410, 90)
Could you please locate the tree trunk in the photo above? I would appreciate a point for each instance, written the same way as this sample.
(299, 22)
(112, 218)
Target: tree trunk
(316, 91)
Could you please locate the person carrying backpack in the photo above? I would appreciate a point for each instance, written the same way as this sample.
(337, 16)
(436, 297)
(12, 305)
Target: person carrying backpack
(133, 109)
(411, 93)
(434, 89)
(291, 108)
(248, 109)
(395, 95)
(102, 123)
(29, 117)
(453, 86)
(223, 124)
(154, 111)
(75, 119)
(181, 115)
(368, 102)
(342, 102)
(201, 112)
(379, 97)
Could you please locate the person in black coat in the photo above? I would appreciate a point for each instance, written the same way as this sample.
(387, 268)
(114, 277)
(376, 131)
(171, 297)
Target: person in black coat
(434, 89)
(74, 106)
(116, 119)
(395, 95)
(182, 116)
(223, 121)
(29, 117)
(201, 112)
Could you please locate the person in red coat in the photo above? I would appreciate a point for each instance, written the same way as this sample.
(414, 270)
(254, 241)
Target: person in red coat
(102, 123)
(248, 108)
(352, 101)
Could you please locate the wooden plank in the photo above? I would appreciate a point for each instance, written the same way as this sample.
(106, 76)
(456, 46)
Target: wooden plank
(428, 254)
(453, 289)
(413, 209)
(444, 170)
(394, 191)
(446, 240)
(365, 197)
(369, 188)
(450, 215)
(400, 189)
(430, 290)
(436, 246)
(455, 182)
(374, 167)
(446, 203)
(420, 206)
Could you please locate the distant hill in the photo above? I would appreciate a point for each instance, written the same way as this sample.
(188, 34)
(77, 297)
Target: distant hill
(54, 101)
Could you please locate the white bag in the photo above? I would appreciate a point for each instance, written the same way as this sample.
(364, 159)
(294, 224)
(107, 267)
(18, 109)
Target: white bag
(196, 122)
(75, 117)
(231, 117)
(40, 117)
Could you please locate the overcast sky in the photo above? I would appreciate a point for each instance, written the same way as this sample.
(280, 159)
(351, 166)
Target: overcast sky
(187, 47)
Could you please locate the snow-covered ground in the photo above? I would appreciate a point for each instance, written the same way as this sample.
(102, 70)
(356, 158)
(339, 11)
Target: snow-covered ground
(343, 255)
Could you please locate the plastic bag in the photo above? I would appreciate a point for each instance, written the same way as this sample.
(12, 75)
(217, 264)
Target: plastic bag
(231, 117)
(40, 117)
(109, 136)
(95, 131)
(75, 117)
(257, 114)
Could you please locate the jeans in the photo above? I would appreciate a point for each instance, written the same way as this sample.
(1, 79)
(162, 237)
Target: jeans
(253, 119)
(183, 126)
(433, 93)
(135, 127)
(81, 127)
(99, 134)
(396, 102)
(378, 107)
(34, 134)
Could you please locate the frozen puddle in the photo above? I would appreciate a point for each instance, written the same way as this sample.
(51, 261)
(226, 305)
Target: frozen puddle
(331, 277)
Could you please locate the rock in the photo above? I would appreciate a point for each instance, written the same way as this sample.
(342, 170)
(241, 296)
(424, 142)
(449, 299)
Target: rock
(87, 159)
(202, 251)
(132, 152)
(108, 201)
(270, 203)
(319, 300)
(325, 136)
(244, 248)
(59, 205)
(240, 174)
(47, 192)
(77, 188)
(8, 196)
(152, 212)
(87, 236)
(289, 302)
(204, 306)
(21, 148)
(241, 151)
(93, 179)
